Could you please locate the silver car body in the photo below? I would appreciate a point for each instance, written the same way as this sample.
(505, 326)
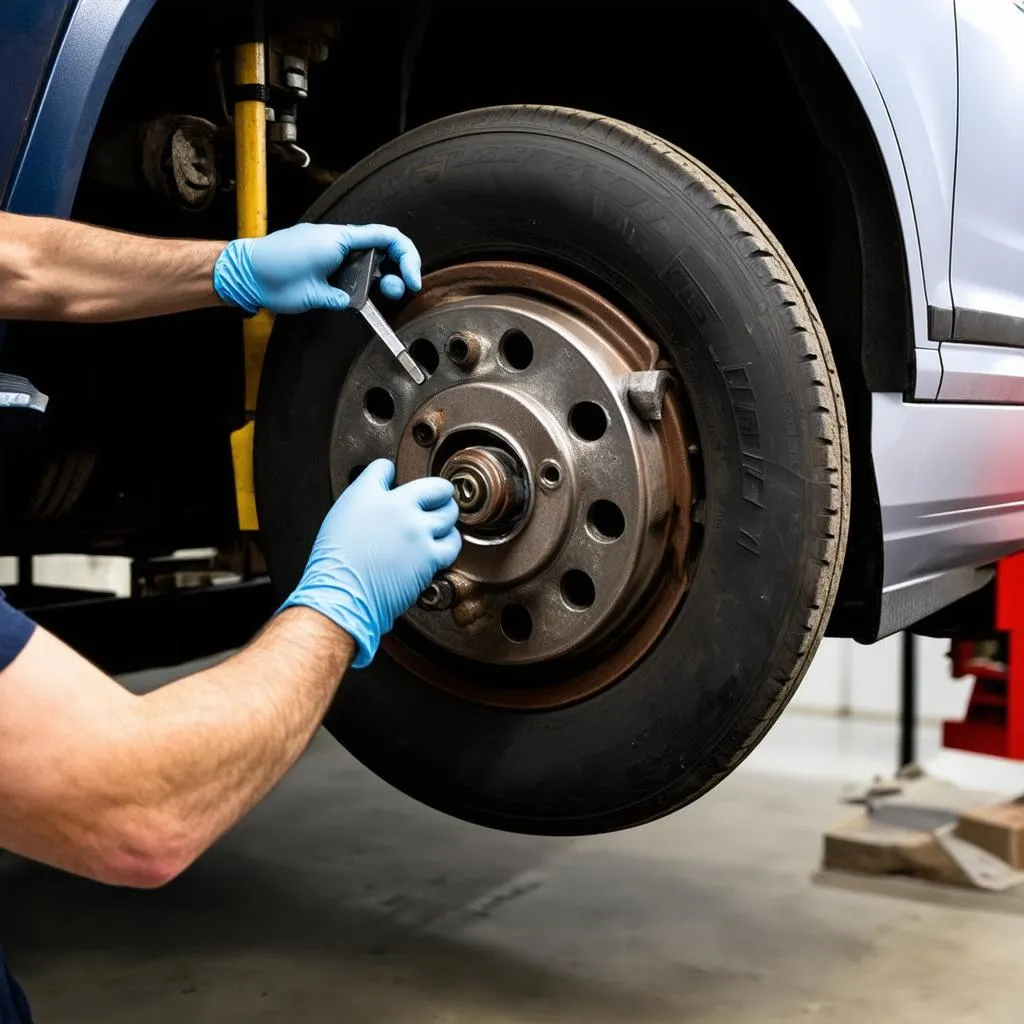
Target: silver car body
(942, 84)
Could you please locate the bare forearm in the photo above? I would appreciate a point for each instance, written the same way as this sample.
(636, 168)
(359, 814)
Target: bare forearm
(218, 741)
(131, 789)
(62, 270)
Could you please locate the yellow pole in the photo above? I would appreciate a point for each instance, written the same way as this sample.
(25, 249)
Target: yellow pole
(251, 139)
(251, 194)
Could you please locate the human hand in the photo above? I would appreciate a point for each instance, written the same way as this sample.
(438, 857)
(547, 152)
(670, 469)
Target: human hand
(377, 550)
(287, 271)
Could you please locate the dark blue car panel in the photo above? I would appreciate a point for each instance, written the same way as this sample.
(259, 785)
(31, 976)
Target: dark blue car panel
(29, 32)
(96, 36)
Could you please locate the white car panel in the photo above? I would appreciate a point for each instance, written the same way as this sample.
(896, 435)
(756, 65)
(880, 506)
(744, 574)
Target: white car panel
(900, 58)
(988, 242)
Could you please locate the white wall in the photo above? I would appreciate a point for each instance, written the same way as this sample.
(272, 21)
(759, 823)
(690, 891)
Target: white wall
(85, 571)
(850, 678)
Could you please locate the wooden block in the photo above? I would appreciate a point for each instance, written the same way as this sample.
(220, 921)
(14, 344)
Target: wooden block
(999, 829)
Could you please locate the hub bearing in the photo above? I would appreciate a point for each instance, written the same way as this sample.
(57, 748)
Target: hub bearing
(491, 489)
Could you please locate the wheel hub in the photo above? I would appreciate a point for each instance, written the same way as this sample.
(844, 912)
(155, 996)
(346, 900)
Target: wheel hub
(572, 503)
(491, 489)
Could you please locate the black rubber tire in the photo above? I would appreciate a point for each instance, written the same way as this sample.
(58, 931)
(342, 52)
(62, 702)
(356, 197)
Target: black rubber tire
(630, 214)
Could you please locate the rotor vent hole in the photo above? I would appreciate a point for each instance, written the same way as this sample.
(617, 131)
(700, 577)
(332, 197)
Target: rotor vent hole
(605, 520)
(588, 421)
(425, 355)
(516, 623)
(516, 350)
(578, 590)
(379, 405)
(354, 473)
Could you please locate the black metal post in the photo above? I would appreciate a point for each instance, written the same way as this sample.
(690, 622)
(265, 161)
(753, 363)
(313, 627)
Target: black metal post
(908, 701)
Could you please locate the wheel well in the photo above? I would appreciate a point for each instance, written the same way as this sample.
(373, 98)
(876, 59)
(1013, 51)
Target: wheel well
(749, 88)
(753, 92)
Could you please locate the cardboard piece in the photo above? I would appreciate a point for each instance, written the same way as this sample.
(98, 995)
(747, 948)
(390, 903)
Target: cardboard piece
(867, 847)
(916, 833)
(999, 829)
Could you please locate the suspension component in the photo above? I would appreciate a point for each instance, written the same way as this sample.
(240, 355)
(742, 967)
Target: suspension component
(262, 71)
(251, 195)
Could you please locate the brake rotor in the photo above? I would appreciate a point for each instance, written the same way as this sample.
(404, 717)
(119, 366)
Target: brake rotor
(548, 411)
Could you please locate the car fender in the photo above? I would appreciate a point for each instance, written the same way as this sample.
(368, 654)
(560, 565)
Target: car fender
(96, 36)
(901, 61)
(29, 31)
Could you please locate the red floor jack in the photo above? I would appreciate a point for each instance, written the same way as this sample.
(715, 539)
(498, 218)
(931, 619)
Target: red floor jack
(994, 723)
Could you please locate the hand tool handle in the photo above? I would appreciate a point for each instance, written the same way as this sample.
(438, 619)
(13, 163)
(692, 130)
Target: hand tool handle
(356, 278)
(358, 274)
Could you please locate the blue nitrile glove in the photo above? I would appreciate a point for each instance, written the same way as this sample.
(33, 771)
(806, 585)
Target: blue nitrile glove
(376, 551)
(287, 271)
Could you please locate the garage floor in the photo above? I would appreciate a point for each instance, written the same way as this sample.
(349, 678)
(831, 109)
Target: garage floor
(341, 900)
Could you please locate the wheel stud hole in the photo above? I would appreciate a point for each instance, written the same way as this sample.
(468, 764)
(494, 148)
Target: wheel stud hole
(424, 434)
(354, 473)
(425, 355)
(516, 623)
(578, 590)
(516, 350)
(457, 349)
(588, 421)
(605, 520)
(551, 475)
(379, 405)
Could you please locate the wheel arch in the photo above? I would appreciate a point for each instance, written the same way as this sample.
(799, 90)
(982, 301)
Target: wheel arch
(96, 36)
(855, 242)
(841, 28)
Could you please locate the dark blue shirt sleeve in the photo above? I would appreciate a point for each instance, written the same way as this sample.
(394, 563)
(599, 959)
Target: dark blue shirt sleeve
(15, 631)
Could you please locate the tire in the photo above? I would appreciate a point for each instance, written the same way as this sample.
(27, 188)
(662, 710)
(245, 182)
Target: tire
(677, 250)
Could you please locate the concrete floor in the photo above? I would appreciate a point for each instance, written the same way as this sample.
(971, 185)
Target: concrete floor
(341, 900)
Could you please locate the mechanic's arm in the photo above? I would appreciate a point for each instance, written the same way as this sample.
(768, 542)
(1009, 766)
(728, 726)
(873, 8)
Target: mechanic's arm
(62, 270)
(131, 789)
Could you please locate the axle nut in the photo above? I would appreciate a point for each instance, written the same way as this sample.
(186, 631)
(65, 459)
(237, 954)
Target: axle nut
(491, 489)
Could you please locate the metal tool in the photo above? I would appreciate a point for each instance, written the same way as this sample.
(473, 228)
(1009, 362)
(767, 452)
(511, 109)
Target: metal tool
(356, 277)
(20, 393)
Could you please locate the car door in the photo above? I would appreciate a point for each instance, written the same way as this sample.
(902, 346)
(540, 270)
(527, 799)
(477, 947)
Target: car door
(983, 350)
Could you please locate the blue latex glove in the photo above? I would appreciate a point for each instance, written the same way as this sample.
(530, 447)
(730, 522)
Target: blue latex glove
(377, 550)
(287, 271)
